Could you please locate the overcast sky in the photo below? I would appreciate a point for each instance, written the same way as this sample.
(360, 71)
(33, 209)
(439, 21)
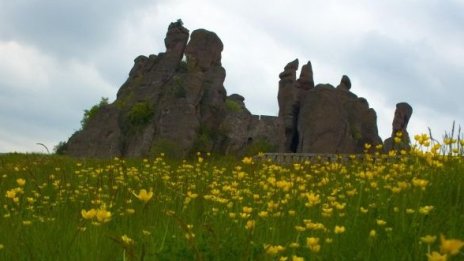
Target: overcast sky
(58, 58)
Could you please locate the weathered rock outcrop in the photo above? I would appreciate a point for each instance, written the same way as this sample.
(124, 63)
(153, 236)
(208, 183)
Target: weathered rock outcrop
(170, 105)
(403, 113)
(175, 102)
(322, 119)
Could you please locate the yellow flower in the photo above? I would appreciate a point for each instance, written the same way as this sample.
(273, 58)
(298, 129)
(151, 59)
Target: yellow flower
(373, 233)
(127, 240)
(297, 258)
(21, 182)
(422, 183)
(435, 256)
(300, 228)
(273, 250)
(250, 225)
(247, 210)
(450, 246)
(339, 229)
(313, 199)
(247, 160)
(313, 244)
(27, 222)
(363, 210)
(144, 195)
(428, 239)
(381, 222)
(10, 193)
(425, 210)
(103, 215)
(88, 214)
(191, 195)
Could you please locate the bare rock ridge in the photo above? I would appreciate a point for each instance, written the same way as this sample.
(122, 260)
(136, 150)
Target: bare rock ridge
(175, 102)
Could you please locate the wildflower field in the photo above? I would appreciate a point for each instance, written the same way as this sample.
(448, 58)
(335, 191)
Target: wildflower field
(396, 206)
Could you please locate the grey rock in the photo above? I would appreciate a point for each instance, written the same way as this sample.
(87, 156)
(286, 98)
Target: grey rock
(403, 113)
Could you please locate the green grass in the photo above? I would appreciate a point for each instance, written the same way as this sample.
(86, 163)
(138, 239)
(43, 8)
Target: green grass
(200, 209)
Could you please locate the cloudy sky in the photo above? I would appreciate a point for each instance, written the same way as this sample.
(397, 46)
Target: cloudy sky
(58, 58)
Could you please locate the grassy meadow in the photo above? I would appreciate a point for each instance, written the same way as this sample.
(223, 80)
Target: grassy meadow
(396, 206)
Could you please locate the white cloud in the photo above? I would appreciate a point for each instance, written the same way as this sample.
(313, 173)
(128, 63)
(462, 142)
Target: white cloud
(41, 98)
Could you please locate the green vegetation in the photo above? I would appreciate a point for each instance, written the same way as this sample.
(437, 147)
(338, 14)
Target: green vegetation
(233, 106)
(60, 148)
(89, 114)
(399, 206)
(140, 113)
(259, 145)
(170, 149)
(207, 139)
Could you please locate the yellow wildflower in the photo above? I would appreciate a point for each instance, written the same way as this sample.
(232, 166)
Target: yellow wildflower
(422, 183)
(313, 199)
(21, 182)
(425, 210)
(428, 239)
(247, 160)
(373, 233)
(247, 210)
(381, 222)
(250, 224)
(300, 228)
(297, 258)
(313, 244)
(273, 250)
(144, 195)
(339, 229)
(450, 246)
(435, 256)
(127, 240)
(103, 215)
(10, 193)
(88, 214)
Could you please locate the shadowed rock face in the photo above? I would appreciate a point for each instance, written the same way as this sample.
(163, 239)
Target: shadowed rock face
(288, 106)
(403, 113)
(323, 119)
(170, 105)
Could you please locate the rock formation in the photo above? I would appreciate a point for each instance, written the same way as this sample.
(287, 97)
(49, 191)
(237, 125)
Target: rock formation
(403, 113)
(322, 119)
(174, 106)
(175, 102)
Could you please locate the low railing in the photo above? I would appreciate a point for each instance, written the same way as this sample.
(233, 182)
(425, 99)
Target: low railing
(302, 157)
